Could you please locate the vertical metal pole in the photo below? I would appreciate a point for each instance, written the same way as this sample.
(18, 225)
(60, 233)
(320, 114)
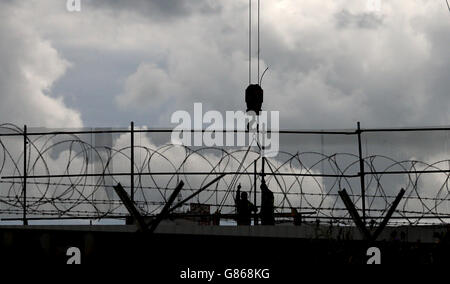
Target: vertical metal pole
(249, 41)
(322, 150)
(259, 51)
(263, 161)
(361, 174)
(262, 169)
(255, 185)
(132, 163)
(25, 221)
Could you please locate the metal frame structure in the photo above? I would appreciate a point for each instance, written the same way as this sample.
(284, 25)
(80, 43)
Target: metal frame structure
(62, 206)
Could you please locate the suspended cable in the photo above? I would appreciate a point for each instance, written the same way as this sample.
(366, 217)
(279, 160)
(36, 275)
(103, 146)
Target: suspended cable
(258, 38)
(250, 42)
(262, 76)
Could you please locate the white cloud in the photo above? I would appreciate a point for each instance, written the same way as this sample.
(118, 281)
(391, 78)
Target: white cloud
(331, 64)
(29, 66)
(150, 86)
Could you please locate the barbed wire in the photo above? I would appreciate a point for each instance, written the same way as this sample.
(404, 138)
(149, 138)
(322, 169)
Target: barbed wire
(68, 177)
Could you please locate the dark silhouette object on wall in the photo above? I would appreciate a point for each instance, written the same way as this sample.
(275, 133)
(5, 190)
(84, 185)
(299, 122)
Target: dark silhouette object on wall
(267, 208)
(297, 217)
(216, 218)
(244, 207)
(254, 96)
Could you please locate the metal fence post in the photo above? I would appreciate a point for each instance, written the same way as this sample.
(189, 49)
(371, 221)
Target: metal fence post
(132, 163)
(25, 221)
(361, 174)
(255, 186)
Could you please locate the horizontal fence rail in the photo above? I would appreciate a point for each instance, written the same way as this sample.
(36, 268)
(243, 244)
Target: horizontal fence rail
(62, 174)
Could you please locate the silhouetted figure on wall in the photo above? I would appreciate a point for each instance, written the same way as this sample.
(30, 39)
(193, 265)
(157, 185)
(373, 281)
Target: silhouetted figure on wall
(267, 199)
(216, 218)
(297, 217)
(244, 207)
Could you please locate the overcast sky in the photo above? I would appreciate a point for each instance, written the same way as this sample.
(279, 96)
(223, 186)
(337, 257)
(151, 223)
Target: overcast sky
(331, 63)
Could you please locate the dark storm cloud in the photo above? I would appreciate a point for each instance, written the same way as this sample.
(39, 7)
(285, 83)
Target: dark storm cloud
(346, 19)
(160, 9)
(330, 64)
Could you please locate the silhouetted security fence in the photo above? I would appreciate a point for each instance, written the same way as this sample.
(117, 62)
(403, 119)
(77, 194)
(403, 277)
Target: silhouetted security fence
(69, 174)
